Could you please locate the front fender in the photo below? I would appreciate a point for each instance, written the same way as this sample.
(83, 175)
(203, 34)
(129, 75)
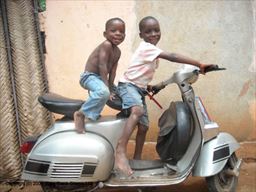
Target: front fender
(214, 155)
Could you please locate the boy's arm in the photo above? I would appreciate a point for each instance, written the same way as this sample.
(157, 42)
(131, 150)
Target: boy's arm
(174, 57)
(104, 54)
(112, 74)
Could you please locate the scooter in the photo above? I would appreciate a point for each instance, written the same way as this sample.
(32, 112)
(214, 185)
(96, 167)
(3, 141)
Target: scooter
(189, 143)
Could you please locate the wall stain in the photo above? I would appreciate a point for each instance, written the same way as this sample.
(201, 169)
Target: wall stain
(245, 88)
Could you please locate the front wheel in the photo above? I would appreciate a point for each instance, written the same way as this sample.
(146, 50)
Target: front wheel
(224, 181)
(68, 187)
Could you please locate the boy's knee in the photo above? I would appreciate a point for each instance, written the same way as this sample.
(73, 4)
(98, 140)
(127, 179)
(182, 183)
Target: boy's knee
(142, 128)
(104, 94)
(137, 110)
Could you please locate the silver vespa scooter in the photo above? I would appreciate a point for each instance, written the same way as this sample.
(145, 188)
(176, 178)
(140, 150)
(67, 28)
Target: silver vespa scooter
(189, 142)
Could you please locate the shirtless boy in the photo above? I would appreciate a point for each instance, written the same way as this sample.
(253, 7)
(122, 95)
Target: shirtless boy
(99, 74)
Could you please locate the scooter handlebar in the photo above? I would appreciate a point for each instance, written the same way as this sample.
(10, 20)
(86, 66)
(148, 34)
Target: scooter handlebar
(158, 87)
(213, 68)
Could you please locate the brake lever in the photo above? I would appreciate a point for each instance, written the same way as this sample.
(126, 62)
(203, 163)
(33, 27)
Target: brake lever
(153, 99)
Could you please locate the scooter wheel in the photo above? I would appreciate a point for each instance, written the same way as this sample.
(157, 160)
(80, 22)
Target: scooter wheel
(223, 182)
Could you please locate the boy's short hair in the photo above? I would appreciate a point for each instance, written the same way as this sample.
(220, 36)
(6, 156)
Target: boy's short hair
(111, 20)
(142, 21)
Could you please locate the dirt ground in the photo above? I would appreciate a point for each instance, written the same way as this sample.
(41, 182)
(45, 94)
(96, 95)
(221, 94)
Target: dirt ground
(246, 182)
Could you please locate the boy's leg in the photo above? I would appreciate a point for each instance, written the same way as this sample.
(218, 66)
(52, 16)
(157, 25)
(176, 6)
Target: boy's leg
(79, 121)
(98, 96)
(140, 139)
(132, 99)
(121, 161)
(91, 109)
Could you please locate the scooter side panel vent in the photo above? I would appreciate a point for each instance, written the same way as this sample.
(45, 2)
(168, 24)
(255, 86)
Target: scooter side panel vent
(37, 167)
(66, 170)
(88, 169)
(221, 153)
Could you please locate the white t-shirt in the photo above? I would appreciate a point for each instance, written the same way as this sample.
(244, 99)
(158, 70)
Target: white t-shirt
(143, 64)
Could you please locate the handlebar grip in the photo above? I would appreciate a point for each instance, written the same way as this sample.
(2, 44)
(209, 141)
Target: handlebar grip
(213, 68)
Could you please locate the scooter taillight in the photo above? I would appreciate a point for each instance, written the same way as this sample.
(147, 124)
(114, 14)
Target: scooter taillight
(26, 147)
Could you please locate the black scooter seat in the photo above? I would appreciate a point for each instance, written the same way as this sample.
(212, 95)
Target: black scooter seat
(59, 104)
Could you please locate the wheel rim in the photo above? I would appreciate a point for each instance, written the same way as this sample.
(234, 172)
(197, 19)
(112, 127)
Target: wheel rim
(225, 180)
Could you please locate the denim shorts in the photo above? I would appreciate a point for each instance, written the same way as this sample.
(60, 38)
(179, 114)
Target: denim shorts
(132, 96)
(98, 95)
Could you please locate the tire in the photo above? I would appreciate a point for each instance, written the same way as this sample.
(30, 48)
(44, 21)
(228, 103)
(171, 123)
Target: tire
(222, 182)
(67, 187)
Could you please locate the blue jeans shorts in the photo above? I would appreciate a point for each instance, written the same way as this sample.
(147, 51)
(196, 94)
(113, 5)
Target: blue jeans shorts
(131, 96)
(98, 95)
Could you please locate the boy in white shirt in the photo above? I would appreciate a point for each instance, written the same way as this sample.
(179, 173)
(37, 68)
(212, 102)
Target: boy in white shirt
(134, 83)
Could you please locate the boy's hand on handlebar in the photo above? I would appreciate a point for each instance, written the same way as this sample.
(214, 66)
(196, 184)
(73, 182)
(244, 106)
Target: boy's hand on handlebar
(149, 88)
(155, 88)
(203, 67)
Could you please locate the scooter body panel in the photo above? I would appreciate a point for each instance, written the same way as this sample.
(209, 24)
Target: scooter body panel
(62, 155)
(214, 155)
(148, 177)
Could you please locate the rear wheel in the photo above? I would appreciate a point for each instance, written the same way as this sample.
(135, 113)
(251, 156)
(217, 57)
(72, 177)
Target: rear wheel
(67, 187)
(224, 181)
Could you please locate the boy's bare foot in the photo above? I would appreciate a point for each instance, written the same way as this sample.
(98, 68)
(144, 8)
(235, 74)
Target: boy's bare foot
(122, 164)
(79, 121)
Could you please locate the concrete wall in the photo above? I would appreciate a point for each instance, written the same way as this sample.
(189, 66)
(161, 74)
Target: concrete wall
(221, 32)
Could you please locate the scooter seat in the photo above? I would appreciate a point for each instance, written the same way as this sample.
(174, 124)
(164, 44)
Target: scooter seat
(59, 104)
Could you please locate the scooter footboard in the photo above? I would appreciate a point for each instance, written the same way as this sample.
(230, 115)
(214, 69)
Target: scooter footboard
(215, 154)
(70, 157)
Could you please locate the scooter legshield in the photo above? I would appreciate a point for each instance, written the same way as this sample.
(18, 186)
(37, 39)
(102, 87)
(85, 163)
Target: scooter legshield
(70, 157)
(215, 154)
